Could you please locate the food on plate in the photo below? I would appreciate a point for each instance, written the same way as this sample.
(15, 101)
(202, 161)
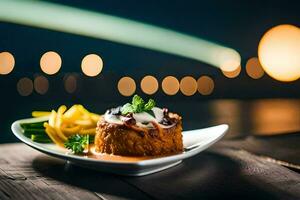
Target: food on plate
(134, 129)
(139, 129)
(36, 131)
(73, 128)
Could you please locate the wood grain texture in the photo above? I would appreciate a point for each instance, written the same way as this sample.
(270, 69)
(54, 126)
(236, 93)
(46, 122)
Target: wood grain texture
(222, 173)
(28, 174)
(219, 172)
(282, 147)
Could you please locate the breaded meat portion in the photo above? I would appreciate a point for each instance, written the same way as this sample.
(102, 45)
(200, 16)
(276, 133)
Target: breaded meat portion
(131, 140)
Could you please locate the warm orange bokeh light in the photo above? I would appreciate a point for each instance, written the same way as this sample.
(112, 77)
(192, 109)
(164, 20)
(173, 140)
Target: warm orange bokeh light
(7, 63)
(25, 86)
(50, 62)
(232, 74)
(254, 69)
(282, 116)
(205, 85)
(230, 65)
(91, 65)
(149, 84)
(126, 86)
(70, 83)
(188, 86)
(170, 85)
(279, 52)
(41, 84)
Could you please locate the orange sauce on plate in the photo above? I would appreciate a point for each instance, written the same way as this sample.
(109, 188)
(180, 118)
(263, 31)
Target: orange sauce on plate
(118, 158)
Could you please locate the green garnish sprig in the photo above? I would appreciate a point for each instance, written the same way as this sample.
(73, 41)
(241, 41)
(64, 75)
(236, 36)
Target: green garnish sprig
(77, 143)
(137, 105)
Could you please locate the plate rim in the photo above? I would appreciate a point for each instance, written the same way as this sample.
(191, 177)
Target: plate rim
(155, 161)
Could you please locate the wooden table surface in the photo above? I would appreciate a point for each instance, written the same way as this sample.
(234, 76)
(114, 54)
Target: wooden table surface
(219, 172)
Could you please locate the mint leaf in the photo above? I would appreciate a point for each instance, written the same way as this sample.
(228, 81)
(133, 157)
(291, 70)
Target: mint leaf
(138, 104)
(127, 108)
(148, 106)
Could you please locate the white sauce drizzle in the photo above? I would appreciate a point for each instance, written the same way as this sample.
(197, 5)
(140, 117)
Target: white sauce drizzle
(143, 119)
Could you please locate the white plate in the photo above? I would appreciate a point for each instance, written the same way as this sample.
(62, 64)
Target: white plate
(194, 142)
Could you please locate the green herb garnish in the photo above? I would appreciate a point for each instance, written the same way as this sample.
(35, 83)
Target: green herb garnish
(137, 105)
(77, 143)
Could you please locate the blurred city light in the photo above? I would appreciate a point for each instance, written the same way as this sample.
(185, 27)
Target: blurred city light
(234, 73)
(91, 65)
(25, 86)
(170, 85)
(70, 83)
(188, 86)
(7, 63)
(254, 69)
(50, 62)
(126, 86)
(281, 116)
(149, 85)
(205, 85)
(229, 63)
(92, 24)
(279, 52)
(41, 84)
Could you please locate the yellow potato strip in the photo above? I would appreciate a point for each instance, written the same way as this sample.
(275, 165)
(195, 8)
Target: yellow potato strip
(72, 114)
(51, 133)
(58, 122)
(85, 123)
(61, 109)
(40, 113)
(52, 118)
(71, 131)
(91, 131)
(95, 117)
(67, 122)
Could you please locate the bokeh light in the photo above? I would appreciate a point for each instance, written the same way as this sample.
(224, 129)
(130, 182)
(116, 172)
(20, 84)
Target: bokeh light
(149, 84)
(254, 69)
(188, 86)
(50, 62)
(232, 74)
(7, 63)
(170, 85)
(91, 65)
(230, 65)
(70, 83)
(25, 86)
(279, 52)
(126, 86)
(281, 115)
(41, 84)
(205, 85)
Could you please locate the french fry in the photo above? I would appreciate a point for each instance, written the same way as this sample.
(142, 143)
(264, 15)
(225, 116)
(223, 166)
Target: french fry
(71, 131)
(91, 131)
(40, 113)
(67, 122)
(72, 114)
(83, 110)
(52, 118)
(95, 117)
(58, 122)
(51, 133)
(84, 123)
(62, 109)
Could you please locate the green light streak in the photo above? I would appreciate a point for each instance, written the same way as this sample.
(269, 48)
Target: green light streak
(92, 24)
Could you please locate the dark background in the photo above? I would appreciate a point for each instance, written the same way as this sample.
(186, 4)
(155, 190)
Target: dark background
(236, 24)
